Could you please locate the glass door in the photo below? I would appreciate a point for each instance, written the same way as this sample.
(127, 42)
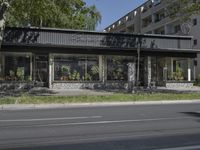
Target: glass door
(41, 69)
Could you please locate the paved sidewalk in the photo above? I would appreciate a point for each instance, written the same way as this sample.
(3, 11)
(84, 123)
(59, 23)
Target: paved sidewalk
(78, 92)
(67, 92)
(100, 104)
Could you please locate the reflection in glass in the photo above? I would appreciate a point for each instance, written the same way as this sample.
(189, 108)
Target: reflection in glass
(76, 68)
(117, 68)
(17, 68)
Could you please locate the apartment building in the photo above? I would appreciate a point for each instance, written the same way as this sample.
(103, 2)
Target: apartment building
(152, 17)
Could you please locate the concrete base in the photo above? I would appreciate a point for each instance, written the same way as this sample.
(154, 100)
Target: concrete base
(108, 85)
(179, 84)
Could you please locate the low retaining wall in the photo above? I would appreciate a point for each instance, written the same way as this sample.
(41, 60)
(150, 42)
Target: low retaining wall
(179, 84)
(108, 85)
(13, 85)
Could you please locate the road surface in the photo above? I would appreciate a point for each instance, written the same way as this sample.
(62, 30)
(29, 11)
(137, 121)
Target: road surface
(136, 127)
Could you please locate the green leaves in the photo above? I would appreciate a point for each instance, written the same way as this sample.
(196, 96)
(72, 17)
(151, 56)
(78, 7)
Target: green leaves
(183, 9)
(72, 14)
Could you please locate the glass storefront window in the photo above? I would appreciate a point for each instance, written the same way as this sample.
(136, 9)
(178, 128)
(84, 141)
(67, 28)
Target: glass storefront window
(1, 67)
(17, 67)
(76, 68)
(179, 68)
(117, 67)
(170, 69)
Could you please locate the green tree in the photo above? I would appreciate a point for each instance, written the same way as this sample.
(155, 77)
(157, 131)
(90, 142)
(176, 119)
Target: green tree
(72, 14)
(183, 9)
(93, 18)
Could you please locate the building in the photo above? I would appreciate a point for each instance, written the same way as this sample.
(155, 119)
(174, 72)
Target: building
(72, 59)
(152, 17)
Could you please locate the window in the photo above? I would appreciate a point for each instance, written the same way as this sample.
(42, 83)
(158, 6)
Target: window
(195, 42)
(117, 68)
(159, 16)
(177, 68)
(160, 30)
(156, 2)
(17, 67)
(76, 68)
(177, 28)
(146, 21)
(194, 22)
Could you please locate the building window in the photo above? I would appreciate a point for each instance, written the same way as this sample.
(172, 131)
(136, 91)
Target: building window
(159, 31)
(159, 16)
(146, 21)
(17, 67)
(156, 2)
(194, 22)
(177, 28)
(117, 68)
(76, 68)
(195, 42)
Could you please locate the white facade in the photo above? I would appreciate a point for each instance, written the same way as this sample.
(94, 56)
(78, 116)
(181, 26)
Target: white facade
(152, 17)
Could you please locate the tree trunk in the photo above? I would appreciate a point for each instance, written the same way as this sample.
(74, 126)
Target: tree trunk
(3, 8)
(138, 62)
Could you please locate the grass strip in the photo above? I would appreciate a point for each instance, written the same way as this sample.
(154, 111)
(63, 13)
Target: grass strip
(26, 99)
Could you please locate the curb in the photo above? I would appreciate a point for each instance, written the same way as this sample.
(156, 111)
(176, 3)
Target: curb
(100, 104)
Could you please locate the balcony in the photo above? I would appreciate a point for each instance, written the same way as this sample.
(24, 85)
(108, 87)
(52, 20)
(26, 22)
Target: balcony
(146, 21)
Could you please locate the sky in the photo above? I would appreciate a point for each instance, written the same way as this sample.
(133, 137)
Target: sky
(112, 10)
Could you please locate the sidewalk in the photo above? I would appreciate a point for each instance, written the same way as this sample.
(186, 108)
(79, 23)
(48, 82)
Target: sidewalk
(101, 104)
(67, 92)
(78, 92)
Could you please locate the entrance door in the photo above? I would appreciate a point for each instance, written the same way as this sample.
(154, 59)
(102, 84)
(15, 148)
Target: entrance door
(41, 69)
(158, 70)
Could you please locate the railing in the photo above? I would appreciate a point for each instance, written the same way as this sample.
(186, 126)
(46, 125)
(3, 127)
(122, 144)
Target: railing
(70, 38)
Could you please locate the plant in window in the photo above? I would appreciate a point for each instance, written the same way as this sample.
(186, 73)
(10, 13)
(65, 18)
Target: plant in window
(28, 78)
(75, 75)
(198, 80)
(11, 76)
(178, 75)
(20, 73)
(95, 71)
(118, 73)
(65, 71)
(1, 78)
(78, 76)
(88, 77)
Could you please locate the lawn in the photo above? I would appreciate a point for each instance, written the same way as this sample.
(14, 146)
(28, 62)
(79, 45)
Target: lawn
(27, 99)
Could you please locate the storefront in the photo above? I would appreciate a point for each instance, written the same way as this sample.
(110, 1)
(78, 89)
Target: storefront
(78, 59)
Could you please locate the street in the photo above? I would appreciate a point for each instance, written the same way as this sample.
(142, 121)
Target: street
(135, 127)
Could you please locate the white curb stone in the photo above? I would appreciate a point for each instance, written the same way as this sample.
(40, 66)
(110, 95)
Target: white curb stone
(103, 104)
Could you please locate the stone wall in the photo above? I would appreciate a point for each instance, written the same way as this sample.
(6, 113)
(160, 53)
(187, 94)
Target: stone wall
(179, 84)
(108, 85)
(8, 85)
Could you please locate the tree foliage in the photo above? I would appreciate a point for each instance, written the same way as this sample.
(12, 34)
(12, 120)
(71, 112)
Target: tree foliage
(72, 14)
(183, 9)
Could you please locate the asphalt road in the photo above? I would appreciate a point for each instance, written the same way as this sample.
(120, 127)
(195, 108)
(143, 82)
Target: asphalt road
(139, 127)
